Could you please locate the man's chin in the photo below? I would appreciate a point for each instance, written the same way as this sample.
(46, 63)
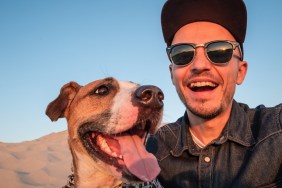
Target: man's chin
(204, 111)
(206, 116)
(202, 108)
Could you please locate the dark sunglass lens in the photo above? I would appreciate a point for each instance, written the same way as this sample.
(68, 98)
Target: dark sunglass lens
(182, 54)
(220, 52)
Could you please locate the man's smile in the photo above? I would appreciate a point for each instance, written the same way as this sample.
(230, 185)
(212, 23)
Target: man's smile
(202, 86)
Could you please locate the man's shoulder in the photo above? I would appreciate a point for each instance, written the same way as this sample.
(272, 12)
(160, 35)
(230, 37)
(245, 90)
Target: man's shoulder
(161, 143)
(263, 114)
(171, 130)
(264, 121)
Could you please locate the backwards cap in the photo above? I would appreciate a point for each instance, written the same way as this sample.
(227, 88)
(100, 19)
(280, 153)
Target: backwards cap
(230, 14)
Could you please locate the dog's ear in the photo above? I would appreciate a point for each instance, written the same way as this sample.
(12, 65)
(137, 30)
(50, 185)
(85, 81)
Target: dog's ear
(56, 108)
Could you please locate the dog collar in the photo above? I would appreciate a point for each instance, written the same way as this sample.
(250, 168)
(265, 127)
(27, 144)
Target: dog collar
(153, 184)
(70, 182)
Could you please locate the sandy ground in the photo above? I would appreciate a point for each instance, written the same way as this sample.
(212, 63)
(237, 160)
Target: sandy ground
(44, 162)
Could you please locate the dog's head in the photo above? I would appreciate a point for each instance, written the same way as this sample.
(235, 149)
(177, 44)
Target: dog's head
(109, 120)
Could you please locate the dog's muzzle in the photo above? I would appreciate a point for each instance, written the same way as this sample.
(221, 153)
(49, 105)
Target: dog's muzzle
(125, 150)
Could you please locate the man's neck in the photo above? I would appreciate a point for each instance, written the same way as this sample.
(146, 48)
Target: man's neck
(206, 130)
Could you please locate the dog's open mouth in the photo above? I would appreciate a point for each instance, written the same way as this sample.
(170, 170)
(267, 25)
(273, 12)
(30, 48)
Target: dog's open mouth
(125, 151)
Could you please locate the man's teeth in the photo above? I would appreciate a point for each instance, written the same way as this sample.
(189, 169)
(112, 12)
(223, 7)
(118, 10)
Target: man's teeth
(202, 84)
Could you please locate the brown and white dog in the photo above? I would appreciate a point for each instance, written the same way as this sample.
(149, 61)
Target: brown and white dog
(108, 122)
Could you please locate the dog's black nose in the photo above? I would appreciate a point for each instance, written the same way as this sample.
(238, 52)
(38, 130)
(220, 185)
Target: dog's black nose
(150, 96)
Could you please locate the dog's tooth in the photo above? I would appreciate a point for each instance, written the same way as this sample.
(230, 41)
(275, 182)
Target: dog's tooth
(103, 142)
(104, 146)
(93, 135)
(114, 154)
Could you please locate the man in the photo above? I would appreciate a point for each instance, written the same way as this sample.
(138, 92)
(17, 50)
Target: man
(218, 142)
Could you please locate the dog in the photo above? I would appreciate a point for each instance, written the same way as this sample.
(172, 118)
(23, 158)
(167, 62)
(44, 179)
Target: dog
(108, 123)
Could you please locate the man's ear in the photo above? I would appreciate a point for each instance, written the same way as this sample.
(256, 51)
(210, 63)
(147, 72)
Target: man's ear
(56, 109)
(242, 71)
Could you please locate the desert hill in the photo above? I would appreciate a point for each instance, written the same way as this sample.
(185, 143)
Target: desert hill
(44, 162)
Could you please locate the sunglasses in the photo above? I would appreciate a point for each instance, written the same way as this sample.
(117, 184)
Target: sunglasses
(218, 52)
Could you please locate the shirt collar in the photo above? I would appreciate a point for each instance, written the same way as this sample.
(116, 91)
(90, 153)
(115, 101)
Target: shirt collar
(237, 129)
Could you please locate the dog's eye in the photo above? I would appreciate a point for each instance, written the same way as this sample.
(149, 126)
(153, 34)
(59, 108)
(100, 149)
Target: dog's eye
(101, 90)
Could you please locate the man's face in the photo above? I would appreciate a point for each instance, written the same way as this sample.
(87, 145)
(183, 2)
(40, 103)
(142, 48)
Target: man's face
(206, 89)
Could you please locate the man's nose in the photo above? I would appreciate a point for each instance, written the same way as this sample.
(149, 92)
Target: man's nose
(201, 62)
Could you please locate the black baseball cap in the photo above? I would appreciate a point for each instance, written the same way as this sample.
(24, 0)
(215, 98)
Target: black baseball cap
(231, 14)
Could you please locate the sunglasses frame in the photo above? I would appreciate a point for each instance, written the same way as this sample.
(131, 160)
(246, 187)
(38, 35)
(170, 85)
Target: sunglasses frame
(234, 46)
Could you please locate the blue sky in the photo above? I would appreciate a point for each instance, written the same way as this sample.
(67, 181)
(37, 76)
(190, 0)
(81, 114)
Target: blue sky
(45, 44)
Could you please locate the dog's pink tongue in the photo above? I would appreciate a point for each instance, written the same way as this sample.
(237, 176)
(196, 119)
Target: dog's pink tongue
(138, 161)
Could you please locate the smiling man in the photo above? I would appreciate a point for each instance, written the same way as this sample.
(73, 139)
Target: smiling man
(218, 142)
(206, 87)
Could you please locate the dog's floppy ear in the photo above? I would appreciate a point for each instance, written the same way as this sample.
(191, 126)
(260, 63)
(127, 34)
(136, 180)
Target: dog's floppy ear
(56, 108)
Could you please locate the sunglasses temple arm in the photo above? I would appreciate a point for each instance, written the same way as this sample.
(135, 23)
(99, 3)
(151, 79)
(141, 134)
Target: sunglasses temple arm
(168, 54)
(238, 57)
(241, 52)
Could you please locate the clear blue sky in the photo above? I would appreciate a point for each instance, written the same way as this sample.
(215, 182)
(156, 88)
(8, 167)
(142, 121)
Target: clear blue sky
(45, 44)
